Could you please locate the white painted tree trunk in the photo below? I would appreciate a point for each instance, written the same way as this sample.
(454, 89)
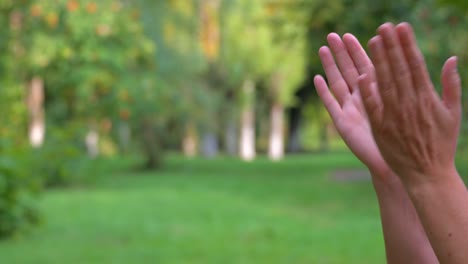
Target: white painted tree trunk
(189, 142)
(247, 131)
(276, 142)
(35, 102)
(92, 143)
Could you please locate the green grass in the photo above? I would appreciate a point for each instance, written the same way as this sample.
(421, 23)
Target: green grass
(210, 211)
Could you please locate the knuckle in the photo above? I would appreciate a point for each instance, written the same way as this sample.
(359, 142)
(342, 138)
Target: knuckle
(338, 83)
(385, 84)
(386, 91)
(348, 71)
(372, 105)
(425, 104)
(416, 62)
(387, 130)
(401, 71)
(392, 45)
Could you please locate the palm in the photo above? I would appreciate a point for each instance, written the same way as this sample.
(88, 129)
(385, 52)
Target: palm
(345, 107)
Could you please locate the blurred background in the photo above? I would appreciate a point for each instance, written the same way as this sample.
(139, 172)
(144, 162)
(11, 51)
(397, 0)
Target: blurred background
(189, 131)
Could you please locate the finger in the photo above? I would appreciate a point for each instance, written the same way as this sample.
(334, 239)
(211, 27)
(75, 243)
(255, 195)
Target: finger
(345, 63)
(383, 73)
(336, 82)
(451, 85)
(414, 57)
(359, 56)
(399, 66)
(370, 99)
(328, 100)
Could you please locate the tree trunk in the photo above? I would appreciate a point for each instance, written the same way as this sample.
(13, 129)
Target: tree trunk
(324, 145)
(35, 103)
(247, 132)
(189, 142)
(294, 141)
(230, 137)
(92, 142)
(209, 40)
(125, 135)
(150, 145)
(276, 140)
(276, 143)
(210, 147)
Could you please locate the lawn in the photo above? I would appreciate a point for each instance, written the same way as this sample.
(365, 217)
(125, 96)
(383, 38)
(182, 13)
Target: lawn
(210, 211)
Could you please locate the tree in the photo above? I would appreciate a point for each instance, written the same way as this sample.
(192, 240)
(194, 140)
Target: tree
(95, 62)
(18, 186)
(175, 26)
(244, 56)
(285, 76)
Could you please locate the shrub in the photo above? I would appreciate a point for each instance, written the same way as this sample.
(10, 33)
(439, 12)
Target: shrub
(19, 189)
(62, 160)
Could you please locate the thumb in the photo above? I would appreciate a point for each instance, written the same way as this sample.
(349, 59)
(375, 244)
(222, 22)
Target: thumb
(370, 99)
(451, 85)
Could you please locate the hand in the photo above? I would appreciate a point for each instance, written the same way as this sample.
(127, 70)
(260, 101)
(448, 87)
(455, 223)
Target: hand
(415, 130)
(345, 106)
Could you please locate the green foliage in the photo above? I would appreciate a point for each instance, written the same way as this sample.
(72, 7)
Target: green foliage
(88, 53)
(70, 165)
(97, 64)
(261, 41)
(185, 78)
(460, 4)
(19, 188)
(245, 41)
(288, 47)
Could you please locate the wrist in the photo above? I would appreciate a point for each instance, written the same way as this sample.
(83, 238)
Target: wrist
(434, 183)
(386, 183)
(383, 175)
